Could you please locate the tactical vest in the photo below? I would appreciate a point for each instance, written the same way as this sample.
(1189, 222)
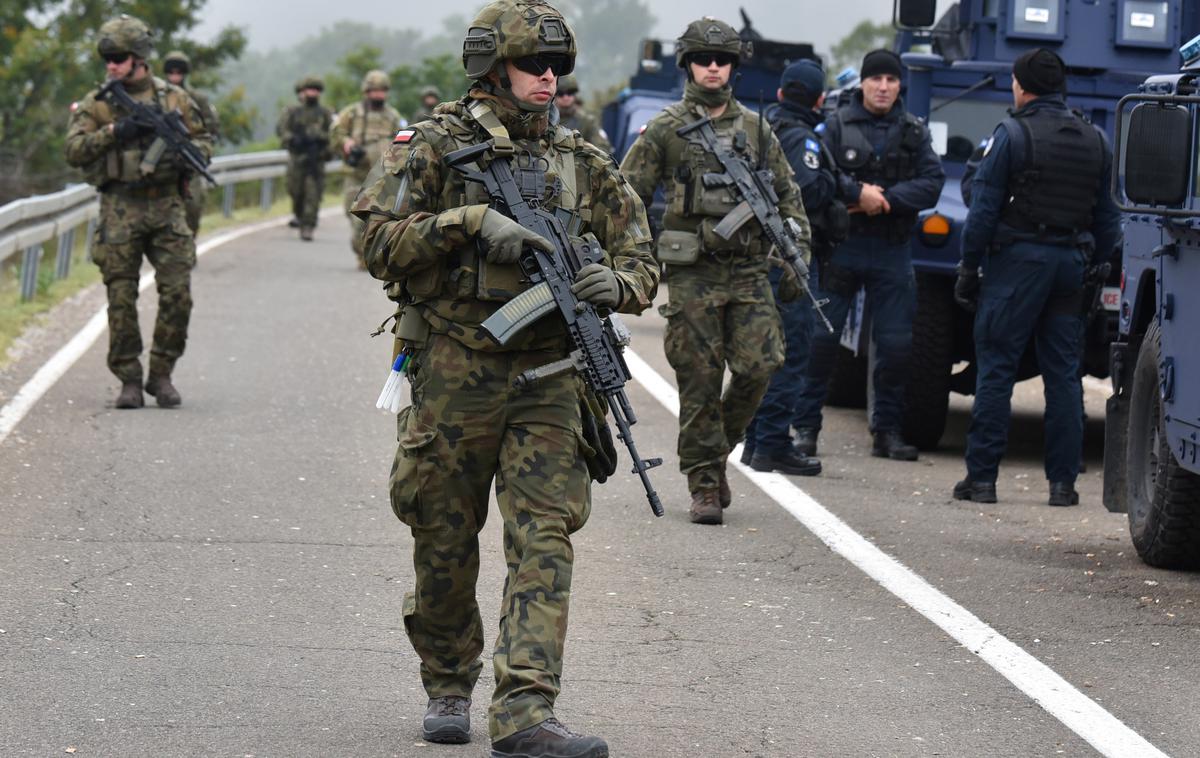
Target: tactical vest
(1062, 161)
(901, 155)
(143, 163)
(831, 224)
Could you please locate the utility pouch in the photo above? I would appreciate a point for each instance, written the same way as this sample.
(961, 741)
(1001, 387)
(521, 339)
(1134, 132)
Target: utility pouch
(152, 156)
(411, 330)
(678, 248)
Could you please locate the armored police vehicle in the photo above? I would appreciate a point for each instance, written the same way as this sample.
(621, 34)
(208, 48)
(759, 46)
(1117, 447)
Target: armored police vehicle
(962, 87)
(1152, 430)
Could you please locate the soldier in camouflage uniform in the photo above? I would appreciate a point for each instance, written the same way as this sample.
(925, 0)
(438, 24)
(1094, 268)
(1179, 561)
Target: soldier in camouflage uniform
(721, 312)
(303, 131)
(176, 67)
(430, 98)
(452, 262)
(142, 210)
(572, 114)
(363, 131)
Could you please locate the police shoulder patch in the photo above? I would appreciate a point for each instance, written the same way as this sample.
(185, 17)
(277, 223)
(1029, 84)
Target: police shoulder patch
(404, 136)
(812, 145)
(820, 128)
(812, 160)
(987, 148)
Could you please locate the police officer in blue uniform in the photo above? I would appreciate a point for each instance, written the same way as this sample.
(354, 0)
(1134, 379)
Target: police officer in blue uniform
(889, 174)
(796, 120)
(1039, 208)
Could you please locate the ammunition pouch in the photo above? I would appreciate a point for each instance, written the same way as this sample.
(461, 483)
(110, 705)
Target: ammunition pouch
(678, 248)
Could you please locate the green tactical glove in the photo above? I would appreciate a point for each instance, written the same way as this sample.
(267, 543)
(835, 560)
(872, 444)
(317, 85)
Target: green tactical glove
(502, 239)
(598, 284)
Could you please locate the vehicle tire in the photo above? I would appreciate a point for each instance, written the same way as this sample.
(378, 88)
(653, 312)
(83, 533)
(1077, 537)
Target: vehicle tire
(927, 396)
(1163, 498)
(848, 380)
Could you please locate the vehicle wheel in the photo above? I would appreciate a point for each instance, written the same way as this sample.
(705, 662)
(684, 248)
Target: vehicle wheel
(848, 381)
(1163, 498)
(927, 396)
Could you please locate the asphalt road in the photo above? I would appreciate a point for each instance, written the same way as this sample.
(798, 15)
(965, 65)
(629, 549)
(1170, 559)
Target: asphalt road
(225, 579)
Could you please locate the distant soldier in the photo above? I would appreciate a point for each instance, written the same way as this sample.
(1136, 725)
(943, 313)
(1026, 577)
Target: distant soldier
(430, 98)
(176, 67)
(142, 210)
(572, 114)
(303, 131)
(721, 313)
(363, 132)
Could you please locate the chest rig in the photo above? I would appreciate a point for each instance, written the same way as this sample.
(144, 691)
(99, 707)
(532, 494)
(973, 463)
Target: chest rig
(137, 164)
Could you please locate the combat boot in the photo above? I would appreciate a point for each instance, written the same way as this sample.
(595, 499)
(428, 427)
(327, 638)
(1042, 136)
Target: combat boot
(979, 492)
(549, 739)
(706, 507)
(747, 453)
(806, 441)
(163, 391)
(891, 444)
(787, 461)
(131, 395)
(724, 494)
(447, 720)
(294, 222)
(306, 233)
(1063, 493)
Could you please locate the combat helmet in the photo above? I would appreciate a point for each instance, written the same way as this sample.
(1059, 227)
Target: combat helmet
(710, 35)
(431, 91)
(315, 82)
(510, 29)
(376, 79)
(568, 83)
(125, 34)
(177, 59)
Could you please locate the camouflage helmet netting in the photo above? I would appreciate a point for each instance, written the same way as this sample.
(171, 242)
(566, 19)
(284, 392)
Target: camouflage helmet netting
(508, 29)
(125, 34)
(376, 79)
(709, 35)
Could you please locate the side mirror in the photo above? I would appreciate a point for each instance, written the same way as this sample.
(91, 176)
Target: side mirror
(1155, 154)
(914, 14)
(652, 51)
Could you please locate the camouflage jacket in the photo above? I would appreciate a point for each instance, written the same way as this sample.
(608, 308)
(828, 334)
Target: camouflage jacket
(372, 129)
(660, 157)
(587, 125)
(422, 219)
(207, 112)
(305, 128)
(91, 146)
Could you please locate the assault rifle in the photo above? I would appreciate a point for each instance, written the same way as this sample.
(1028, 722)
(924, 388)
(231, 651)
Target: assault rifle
(168, 127)
(595, 342)
(758, 200)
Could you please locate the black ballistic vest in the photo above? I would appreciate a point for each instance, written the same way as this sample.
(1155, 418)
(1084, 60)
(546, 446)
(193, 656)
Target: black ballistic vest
(856, 156)
(1062, 161)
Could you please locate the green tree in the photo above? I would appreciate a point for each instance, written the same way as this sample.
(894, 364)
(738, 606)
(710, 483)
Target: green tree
(48, 59)
(344, 86)
(442, 71)
(608, 53)
(862, 39)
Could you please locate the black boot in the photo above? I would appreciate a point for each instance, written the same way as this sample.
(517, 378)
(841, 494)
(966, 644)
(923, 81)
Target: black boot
(979, 492)
(447, 720)
(891, 444)
(131, 395)
(294, 223)
(806, 441)
(1063, 493)
(549, 739)
(747, 452)
(786, 461)
(163, 391)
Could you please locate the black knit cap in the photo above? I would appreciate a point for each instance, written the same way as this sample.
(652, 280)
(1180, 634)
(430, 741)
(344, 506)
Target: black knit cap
(1041, 72)
(879, 62)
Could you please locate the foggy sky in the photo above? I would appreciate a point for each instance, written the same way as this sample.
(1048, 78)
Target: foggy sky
(280, 23)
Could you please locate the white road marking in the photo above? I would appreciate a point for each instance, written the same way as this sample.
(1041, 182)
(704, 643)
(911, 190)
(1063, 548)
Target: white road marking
(1076, 711)
(1102, 386)
(62, 361)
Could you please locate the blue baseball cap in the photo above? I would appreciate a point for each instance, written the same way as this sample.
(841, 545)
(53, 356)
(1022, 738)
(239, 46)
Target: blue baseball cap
(805, 74)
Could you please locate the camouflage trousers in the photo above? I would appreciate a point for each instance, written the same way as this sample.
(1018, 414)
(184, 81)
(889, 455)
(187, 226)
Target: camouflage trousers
(466, 426)
(197, 194)
(351, 186)
(306, 187)
(129, 230)
(719, 314)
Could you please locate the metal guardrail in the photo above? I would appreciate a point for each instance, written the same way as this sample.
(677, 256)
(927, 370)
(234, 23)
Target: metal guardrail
(27, 224)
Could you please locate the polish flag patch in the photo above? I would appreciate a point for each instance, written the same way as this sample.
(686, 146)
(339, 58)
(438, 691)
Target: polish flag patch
(403, 136)
(642, 130)
(74, 106)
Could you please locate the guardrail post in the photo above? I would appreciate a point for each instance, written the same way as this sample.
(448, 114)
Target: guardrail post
(227, 200)
(267, 194)
(62, 261)
(87, 243)
(29, 272)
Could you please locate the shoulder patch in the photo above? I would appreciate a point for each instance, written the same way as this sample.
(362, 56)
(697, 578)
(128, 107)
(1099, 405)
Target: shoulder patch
(812, 145)
(987, 147)
(74, 106)
(642, 129)
(820, 128)
(404, 136)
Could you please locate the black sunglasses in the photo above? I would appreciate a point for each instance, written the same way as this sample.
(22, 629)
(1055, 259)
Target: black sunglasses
(175, 69)
(707, 59)
(117, 58)
(572, 92)
(536, 65)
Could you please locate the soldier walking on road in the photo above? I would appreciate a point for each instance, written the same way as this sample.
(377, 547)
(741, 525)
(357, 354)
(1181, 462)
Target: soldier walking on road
(890, 174)
(1040, 209)
(142, 210)
(574, 116)
(721, 312)
(430, 98)
(176, 67)
(362, 132)
(303, 131)
(796, 120)
(453, 261)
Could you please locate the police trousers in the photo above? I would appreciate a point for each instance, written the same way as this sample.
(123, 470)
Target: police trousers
(769, 430)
